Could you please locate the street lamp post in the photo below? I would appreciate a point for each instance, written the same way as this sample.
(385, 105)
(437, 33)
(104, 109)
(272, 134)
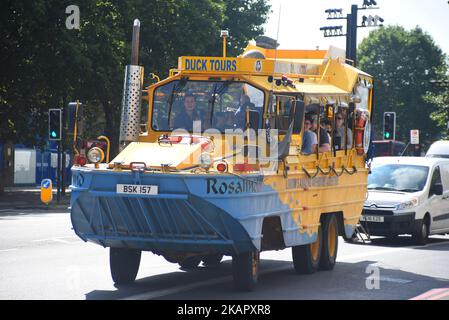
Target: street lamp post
(351, 26)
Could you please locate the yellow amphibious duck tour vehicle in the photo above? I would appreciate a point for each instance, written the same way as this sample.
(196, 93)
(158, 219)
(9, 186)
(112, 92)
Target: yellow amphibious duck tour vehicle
(220, 170)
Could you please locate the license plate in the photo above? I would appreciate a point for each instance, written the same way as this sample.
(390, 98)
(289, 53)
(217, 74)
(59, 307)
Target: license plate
(372, 218)
(137, 189)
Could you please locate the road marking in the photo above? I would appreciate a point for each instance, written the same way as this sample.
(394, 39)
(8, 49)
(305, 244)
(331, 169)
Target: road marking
(394, 280)
(442, 295)
(59, 239)
(165, 292)
(432, 294)
(8, 250)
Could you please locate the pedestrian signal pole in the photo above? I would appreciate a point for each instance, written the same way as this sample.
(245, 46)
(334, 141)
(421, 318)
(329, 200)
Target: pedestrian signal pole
(55, 134)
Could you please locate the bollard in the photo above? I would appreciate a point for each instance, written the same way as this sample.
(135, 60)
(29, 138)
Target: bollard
(46, 191)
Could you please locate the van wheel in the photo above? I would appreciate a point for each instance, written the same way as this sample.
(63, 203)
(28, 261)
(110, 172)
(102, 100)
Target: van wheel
(330, 242)
(306, 258)
(190, 263)
(212, 260)
(421, 234)
(245, 270)
(124, 264)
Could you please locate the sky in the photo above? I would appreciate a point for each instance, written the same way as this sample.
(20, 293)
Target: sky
(301, 20)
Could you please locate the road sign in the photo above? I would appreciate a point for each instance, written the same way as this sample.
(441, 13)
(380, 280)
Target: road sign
(46, 191)
(414, 136)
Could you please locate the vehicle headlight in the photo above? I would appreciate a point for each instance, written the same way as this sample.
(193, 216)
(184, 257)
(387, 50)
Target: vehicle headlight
(95, 155)
(408, 204)
(205, 160)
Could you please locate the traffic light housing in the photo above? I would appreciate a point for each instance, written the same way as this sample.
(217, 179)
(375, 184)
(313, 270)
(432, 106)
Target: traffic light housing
(389, 125)
(54, 124)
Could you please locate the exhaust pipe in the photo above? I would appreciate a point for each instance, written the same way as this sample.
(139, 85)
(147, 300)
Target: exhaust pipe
(132, 94)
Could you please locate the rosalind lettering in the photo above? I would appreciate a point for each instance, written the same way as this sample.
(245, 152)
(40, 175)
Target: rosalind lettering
(233, 187)
(203, 311)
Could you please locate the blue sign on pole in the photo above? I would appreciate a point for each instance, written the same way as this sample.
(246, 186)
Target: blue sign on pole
(46, 183)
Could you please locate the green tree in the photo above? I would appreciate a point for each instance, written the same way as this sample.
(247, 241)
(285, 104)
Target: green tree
(45, 65)
(441, 100)
(402, 63)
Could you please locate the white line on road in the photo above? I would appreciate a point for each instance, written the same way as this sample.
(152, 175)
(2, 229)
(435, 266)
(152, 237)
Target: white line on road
(8, 250)
(165, 292)
(59, 239)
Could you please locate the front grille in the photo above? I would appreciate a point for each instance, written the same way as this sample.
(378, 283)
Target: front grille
(377, 212)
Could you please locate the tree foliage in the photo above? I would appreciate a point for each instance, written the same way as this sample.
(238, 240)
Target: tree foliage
(46, 65)
(403, 63)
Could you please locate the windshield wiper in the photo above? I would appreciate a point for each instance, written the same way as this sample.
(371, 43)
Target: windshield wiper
(218, 91)
(176, 87)
(409, 190)
(383, 188)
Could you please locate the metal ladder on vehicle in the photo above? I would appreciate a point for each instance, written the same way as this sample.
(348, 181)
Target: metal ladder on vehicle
(361, 234)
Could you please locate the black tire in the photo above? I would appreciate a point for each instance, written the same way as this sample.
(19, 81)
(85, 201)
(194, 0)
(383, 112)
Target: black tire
(190, 263)
(245, 270)
(124, 264)
(421, 233)
(212, 260)
(329, 247)
(306, 258)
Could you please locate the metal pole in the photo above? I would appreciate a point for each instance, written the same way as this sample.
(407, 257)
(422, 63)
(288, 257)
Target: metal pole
(135, 43)
(354, 11)
(58, 174)
(62, 147)
(348, 37)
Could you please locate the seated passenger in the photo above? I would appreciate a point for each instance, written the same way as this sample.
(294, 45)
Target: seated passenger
(240, 114)
(324, 143)
(309, 138)
(188, 115)
(340, 133)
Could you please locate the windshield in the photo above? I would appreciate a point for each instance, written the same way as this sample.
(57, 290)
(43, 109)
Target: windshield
(184, 104)
(398, 177)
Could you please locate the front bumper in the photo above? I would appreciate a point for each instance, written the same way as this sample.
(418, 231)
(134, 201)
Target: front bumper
(393, 224)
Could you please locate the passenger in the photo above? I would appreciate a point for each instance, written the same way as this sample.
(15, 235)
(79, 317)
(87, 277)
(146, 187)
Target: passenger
(340, 132)
(324, 143)
(188, 115)
(309, 139)
(240, 114)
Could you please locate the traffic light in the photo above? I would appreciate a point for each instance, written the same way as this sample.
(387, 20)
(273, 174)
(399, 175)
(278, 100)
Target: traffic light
(54, 124)
(389, 125)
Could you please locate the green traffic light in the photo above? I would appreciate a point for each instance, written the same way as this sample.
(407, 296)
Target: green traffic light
(387, 135)
(53, 134)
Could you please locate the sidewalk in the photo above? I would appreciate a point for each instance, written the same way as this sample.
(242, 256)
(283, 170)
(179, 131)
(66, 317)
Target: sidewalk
(29, 198)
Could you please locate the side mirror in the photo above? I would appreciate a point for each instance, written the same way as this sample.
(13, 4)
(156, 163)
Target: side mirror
(436, 189)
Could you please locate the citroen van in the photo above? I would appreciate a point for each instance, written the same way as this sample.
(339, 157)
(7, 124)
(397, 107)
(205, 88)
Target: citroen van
(407, 195)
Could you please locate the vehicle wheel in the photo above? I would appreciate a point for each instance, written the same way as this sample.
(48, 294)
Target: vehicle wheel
(245, 270)
(306, 258)
(329, 247)
(421, 234)
(124, 264)
(212, 260)
(190, 263)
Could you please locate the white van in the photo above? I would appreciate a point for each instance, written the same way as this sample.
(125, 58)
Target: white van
(438, 149)
(407, 195)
